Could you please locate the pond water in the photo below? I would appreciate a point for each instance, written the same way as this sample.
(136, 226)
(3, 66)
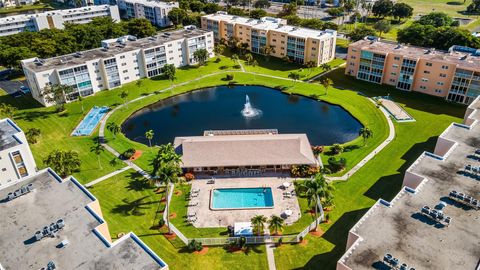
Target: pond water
(225, 108)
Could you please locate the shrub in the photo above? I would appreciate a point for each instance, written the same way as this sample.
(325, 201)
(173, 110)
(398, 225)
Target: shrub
(218, 60)
(237, 67)
(280, 241)
(161, 222)
(229, 77)
(189, 176)
(337, 148)
(194, 246)
(303, 171)
(128, 153)
(337, 164)
(317, 149)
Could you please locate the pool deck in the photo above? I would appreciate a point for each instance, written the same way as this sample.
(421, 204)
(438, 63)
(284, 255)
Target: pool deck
(215, 218)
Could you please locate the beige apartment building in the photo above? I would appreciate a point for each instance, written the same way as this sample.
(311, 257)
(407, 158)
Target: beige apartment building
(453, 74)
(301, 45)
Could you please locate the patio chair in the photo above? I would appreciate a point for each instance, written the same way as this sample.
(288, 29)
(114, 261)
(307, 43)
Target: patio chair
(193, 204)
(195, 190)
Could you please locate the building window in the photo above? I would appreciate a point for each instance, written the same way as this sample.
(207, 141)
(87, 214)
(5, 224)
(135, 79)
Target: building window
(393, 73)
(439, 83)
(424, 80)
(395, 66)
(444, 67)
(426, 72)
(126, 78)
(392, 80)
(428, 64)
(443, 75)
(122, 56)
(125, 71)
(124, 64)
(423, 87)
(396, 58)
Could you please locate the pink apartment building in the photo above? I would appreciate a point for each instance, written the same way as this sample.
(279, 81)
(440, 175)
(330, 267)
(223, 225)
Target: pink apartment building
(453, 74)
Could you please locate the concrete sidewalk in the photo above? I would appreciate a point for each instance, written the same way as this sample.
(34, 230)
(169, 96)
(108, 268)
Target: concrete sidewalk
(89, 184)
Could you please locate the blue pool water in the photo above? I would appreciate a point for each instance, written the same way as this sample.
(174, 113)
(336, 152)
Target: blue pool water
(90, 122)
(241, 198)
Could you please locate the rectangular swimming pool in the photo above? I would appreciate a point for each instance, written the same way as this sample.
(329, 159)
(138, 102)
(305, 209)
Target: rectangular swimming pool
(241, 198)
(90, 122)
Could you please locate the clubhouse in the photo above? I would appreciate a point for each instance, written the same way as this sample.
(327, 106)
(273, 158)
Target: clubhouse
(244, 153)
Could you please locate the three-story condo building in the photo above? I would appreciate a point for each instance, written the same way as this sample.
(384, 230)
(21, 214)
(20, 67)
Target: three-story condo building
(117, 62)
(153, 10)
(453, 74)
(301, 45)
(55, 19)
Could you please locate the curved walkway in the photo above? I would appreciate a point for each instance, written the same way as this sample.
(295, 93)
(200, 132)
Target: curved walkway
(372, 154)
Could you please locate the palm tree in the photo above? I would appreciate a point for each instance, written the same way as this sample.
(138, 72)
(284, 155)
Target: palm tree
(310, 65)
(123, 95)
(254, 64)
(234, 58)
(294, 76)
(317, 190)
(267, 51)
(80, 98)
(326, 67)
(98, 148)
(114, 128)
(327, 82)
(113, 162)
(166, 168)
(149, 135)
(275, 223)
(219, 49)
(56, 93)
(248, 58)
(32, 135)
(366, 133)
(63, 162)
(258, 223)
(8, 110)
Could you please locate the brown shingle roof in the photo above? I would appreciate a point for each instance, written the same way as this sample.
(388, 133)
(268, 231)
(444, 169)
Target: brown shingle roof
(245, 150)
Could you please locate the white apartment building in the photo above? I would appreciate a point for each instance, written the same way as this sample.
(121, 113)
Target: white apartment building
(13, 3)
(55, 19)
(154, 10)
(301, 45)
(118, 62)
(16, 160)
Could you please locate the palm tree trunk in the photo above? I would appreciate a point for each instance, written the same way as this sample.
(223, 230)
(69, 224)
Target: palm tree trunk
(316, 212)
(150, 142)
(99, 164)
(167, 208)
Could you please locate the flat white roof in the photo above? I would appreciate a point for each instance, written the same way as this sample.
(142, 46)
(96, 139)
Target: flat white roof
(269, 23)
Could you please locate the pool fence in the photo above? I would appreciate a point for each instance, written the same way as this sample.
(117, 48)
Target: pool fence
(250, 240)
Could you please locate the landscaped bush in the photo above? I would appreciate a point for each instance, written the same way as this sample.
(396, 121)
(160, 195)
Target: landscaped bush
(237, 67)
(161, 222)
(337, 165)
(195, 246)
(218, 60)
(189, 176)
(303, 171)
(229, 77)
(337, 149)
(317, 150)
(128, 153)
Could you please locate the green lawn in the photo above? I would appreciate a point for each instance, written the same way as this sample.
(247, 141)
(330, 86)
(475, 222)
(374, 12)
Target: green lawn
(277, 67)
(22, 9)
(380, 178)
(129, 203)
(453, 8)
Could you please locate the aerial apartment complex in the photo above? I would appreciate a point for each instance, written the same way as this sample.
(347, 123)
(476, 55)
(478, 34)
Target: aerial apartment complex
(117, 62)
(299, 44)
(432, 223)
(16, 160)
(13, 3)
(153, 10)
(55, 19)
(453, 74)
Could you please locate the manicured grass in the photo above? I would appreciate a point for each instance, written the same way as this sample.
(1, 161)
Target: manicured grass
(129, 203)
(24, 8)
(277, 67)
(454, 8)
(380, 178)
